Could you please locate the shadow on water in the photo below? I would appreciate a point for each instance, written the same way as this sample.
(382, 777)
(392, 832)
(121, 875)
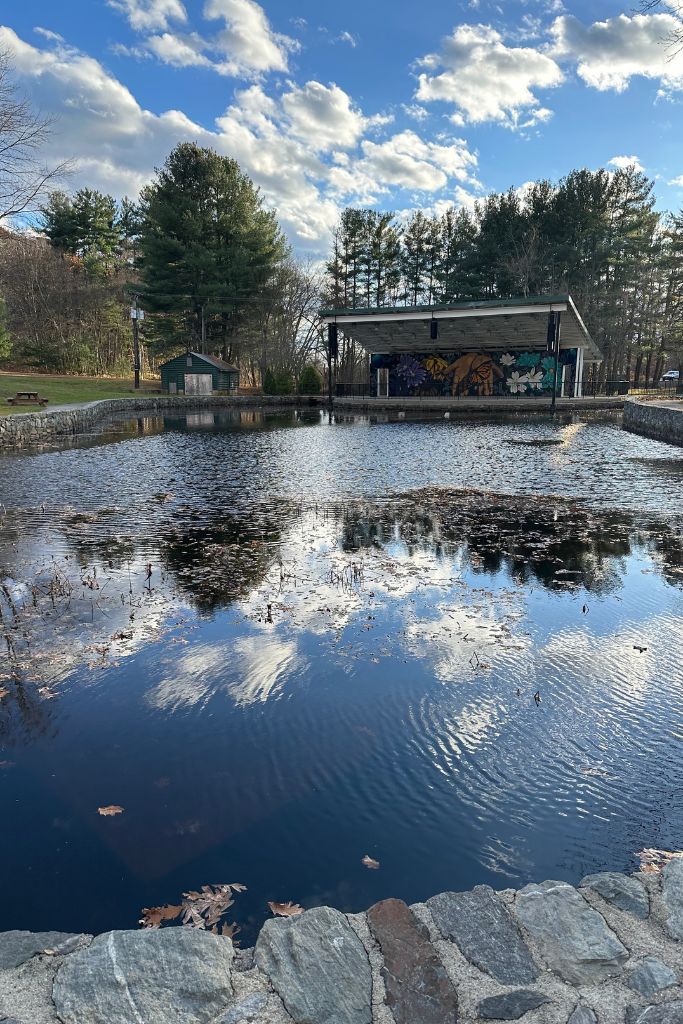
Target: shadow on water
(469, 687)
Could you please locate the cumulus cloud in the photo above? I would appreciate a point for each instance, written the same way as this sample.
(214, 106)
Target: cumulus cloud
(248, 42)
(150, 15)
(307, 147)
(415, 111)
(678, 182)
(179, 51)
(621, 162)
(486, 80)
(609, 53)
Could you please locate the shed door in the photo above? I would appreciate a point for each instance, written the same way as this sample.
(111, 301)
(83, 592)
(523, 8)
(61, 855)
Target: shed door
(198, 383)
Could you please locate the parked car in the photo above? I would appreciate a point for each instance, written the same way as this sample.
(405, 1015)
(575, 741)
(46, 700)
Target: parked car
(670, 378)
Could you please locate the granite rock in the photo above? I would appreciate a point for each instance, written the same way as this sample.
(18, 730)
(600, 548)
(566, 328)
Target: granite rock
(510, 1005)
(582, 1015)
(146, 977)
(318, 967)
(665, 1013)
(482, 927)
(672, 891)
(417, 985)
(249, 1009)
(651, 976)
(621, 891)
(575, 940)
(18, 947)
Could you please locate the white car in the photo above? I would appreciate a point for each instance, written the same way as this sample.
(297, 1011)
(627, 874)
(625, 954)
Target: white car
(670, 377)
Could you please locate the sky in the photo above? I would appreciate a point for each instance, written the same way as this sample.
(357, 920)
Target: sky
(392, 104)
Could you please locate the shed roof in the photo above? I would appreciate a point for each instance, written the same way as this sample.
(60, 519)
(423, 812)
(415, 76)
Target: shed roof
(483, 324)
(218, 364)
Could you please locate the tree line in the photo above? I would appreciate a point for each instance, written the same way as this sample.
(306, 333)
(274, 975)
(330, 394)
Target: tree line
(594, 234)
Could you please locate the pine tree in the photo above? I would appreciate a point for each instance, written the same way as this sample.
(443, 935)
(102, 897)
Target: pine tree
(207, 247)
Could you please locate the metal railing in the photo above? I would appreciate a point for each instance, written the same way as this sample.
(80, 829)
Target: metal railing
(591, 389)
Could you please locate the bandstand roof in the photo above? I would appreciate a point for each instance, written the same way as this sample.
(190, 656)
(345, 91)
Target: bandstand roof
(490, 324)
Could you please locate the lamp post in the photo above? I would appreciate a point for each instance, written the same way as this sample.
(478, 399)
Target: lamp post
(136, 314)
(332, 352)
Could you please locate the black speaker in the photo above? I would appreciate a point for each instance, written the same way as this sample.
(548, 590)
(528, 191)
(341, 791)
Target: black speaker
(552, 333)
(333, 340)
(434, 329)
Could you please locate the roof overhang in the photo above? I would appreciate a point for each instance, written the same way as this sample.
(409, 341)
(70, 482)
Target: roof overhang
(505, 324)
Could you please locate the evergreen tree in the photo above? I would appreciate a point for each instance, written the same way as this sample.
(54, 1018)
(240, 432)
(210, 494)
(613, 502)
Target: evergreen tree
(5, 339)
(207, 247)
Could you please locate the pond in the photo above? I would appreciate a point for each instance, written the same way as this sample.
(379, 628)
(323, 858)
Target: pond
(280, 645)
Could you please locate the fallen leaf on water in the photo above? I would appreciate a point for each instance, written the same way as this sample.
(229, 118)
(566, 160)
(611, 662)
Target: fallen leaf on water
(3, 692)
(653, 860)
(285, 909)
(153, 916)
(110, 811)
(369, 862)
(204, 909)
(46, 692)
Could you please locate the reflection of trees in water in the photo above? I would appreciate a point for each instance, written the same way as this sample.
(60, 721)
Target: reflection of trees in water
(542, 540)
(218, 564)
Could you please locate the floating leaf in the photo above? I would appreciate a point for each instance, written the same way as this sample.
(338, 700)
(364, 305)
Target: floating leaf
(153, 916)
(111, 811)
(3, 692)
(285, 909)
(369, 862)
(652, 860)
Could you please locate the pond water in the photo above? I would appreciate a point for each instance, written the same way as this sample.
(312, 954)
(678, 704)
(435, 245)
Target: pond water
(281, 644)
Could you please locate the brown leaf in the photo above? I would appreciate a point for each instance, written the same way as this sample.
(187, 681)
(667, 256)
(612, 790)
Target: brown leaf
(653, 860)
(153, 916)
(285, 909)
(3, 692)
(370, 863)
(110, 811)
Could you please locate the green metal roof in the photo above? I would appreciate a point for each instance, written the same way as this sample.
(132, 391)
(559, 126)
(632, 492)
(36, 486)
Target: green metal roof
(532, 300)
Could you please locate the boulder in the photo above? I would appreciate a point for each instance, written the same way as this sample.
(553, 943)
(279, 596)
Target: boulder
(417, 985)
(621, 891)
(146, 977)
(318, 966)
(18, 947)
(650, 976)
(582, 1015)
(672, 891)
(482, 927)
(511, 1005)
(574, 939)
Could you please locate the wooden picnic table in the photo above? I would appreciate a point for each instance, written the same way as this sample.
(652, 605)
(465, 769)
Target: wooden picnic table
(27, 398)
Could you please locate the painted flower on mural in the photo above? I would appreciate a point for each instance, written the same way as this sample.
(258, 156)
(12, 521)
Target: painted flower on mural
(548, 362)
(413, 373)
(535, 379)
(528, 359)
(517, 382)
(548, 378)
(508, 360)
(435, 367)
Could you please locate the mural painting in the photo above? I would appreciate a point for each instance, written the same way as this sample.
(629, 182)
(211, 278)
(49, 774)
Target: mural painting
(476, 374)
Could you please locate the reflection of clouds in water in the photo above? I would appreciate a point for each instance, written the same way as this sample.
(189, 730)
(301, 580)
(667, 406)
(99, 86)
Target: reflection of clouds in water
(251, 670)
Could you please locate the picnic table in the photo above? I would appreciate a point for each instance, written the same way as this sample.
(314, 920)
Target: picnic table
(27, 398)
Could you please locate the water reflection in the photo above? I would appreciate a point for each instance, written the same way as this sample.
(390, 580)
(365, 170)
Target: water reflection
(275, 686)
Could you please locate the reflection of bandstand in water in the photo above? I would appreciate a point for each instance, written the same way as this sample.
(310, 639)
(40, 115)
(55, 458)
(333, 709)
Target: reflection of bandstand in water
(527, 347)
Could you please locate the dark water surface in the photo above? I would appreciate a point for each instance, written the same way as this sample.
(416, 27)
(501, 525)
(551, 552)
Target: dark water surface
(281, 644)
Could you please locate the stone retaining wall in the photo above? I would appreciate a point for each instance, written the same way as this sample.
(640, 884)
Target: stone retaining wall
(661, 420)
(607, 952)
(23, 429)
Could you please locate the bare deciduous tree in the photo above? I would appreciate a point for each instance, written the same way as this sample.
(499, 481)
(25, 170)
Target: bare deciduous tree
(24, 179)
(673, 39)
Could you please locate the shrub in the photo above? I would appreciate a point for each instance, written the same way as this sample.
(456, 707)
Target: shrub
(310, 381)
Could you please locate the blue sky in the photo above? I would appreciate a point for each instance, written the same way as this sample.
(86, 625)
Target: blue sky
(392, 104)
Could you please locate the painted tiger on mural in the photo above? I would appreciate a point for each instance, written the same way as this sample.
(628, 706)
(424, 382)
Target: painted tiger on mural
(473, 372)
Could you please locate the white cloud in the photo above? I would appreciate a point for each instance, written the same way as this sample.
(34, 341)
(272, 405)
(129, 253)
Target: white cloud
(415, 111)
(678, 182)
(150, 15)
(323, 116)
(248, 43)
(47, 33)
(347, 37)
(621, 162)
(485, 80)
(609, 53)
(179, 51)
(306, 147)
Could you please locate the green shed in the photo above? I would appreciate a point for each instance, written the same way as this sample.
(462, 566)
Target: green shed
(194, 373)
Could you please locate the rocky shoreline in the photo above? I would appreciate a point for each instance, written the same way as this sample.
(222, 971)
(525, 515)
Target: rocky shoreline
(606, 952)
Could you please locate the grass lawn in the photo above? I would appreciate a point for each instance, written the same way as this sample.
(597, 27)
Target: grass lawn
(63, 390)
